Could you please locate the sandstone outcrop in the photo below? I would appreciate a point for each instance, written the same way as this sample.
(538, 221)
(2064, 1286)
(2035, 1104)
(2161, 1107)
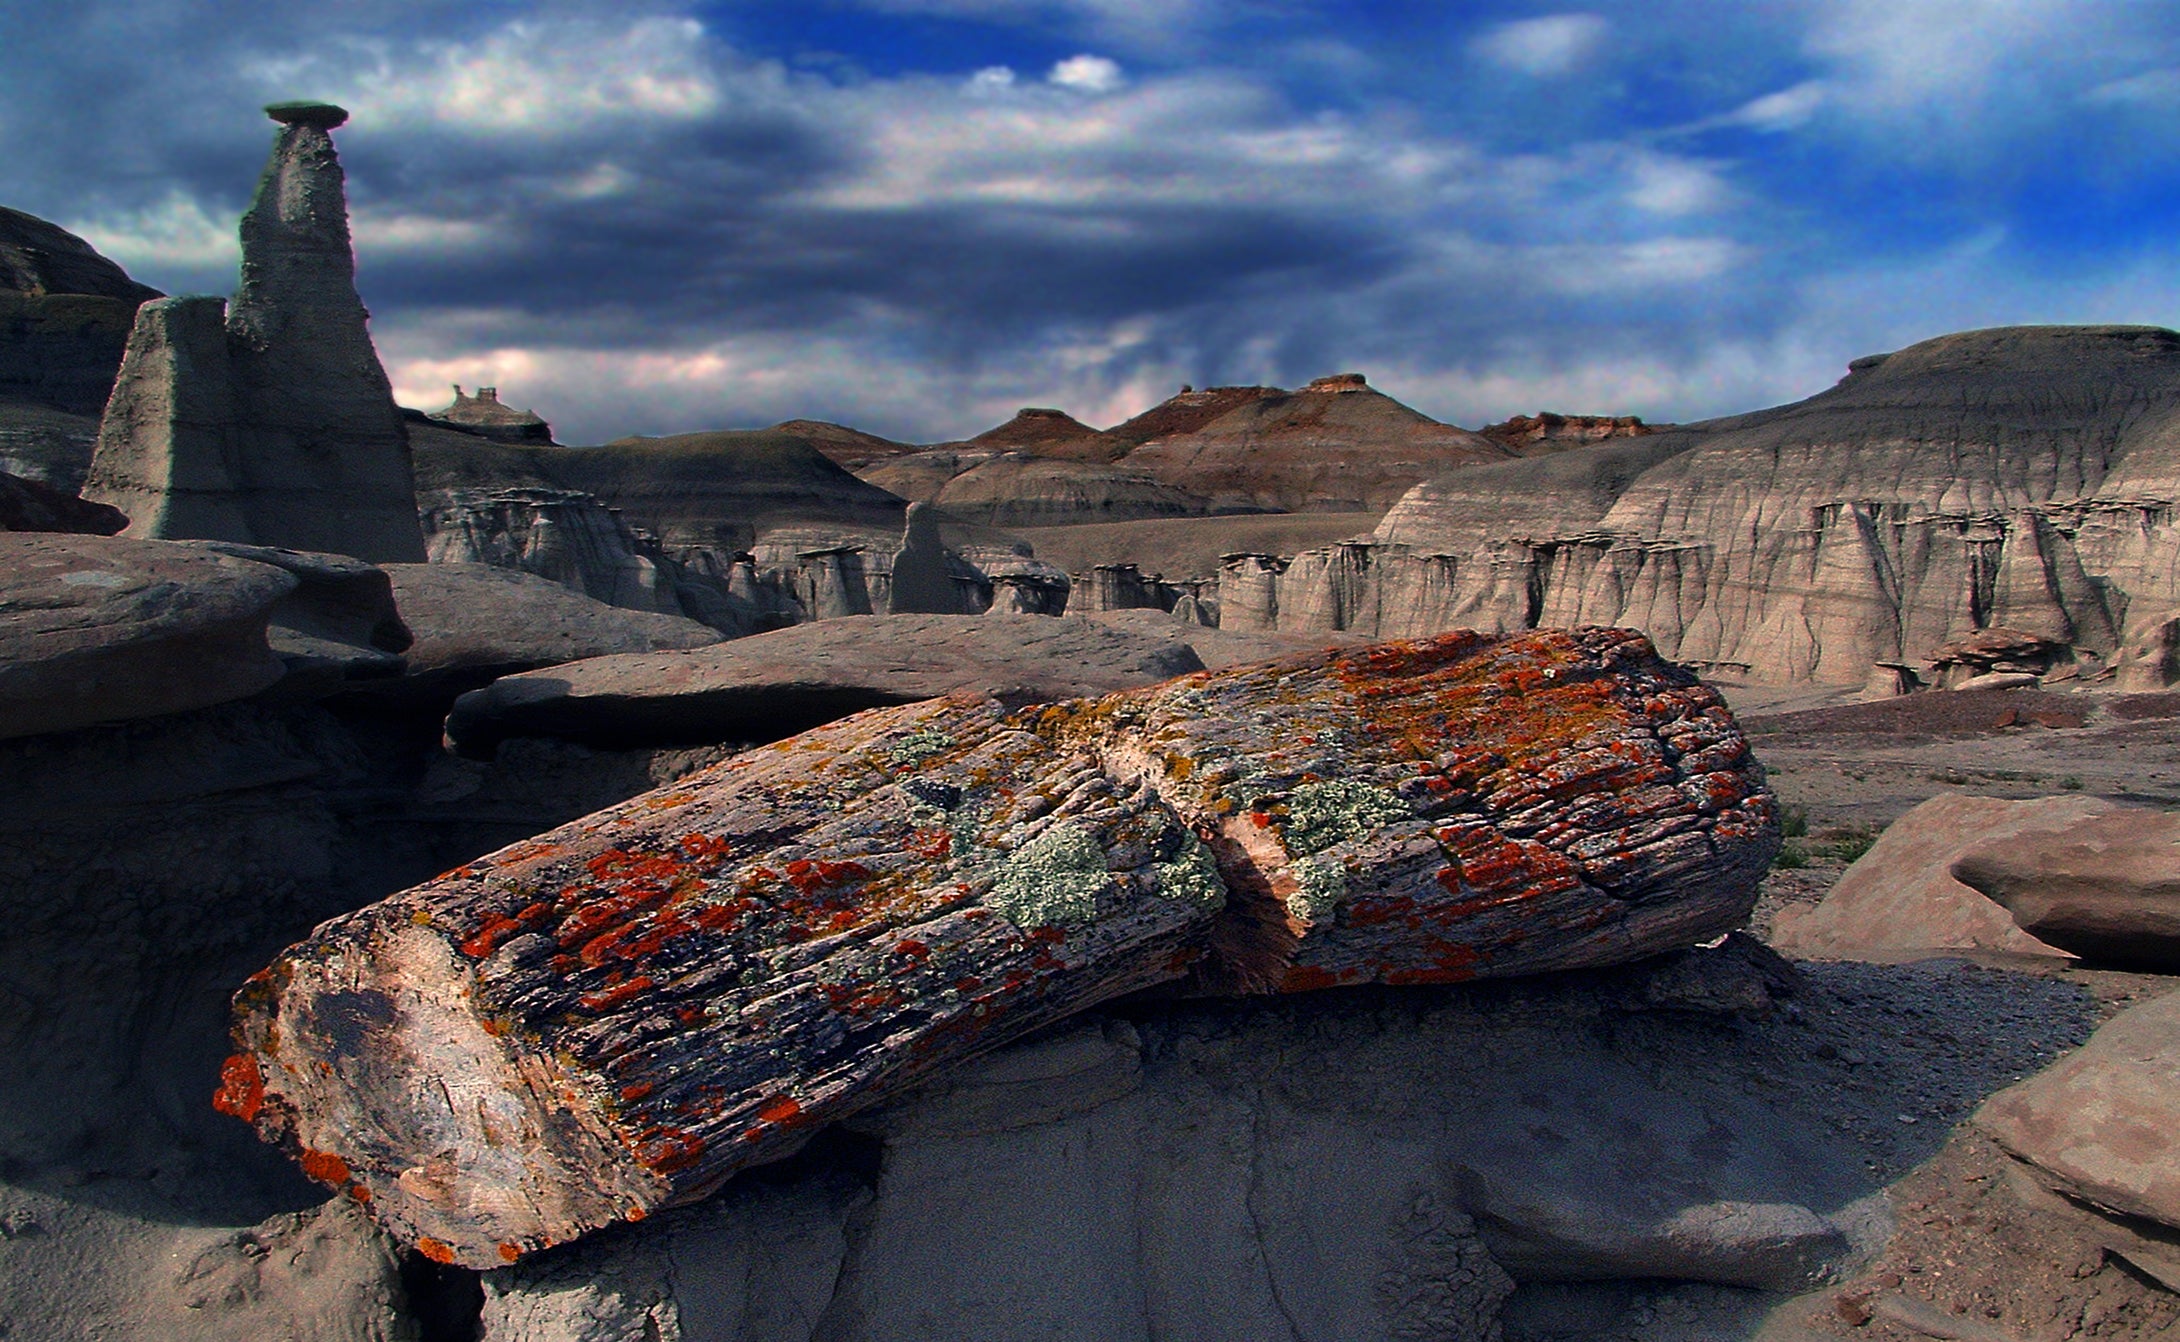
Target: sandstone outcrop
(1903, 898)
(1545, 431)
(108, 629)
(772, 685)
(2106, 887)
(829, 918)
(27, 505)
(273, 423)
(484, 415)
(475, 622)
(65, 313)
(2022, 477)
(102, 629)
(2105, 1121)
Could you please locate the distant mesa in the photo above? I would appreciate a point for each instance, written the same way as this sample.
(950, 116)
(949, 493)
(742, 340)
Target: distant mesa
(484, 414)
(1545, 431)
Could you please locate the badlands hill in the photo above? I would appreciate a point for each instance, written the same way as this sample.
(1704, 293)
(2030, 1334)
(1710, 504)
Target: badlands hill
(1333, 446)
(2023, 477)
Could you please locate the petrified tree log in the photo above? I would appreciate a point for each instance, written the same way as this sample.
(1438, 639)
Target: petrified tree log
(618, 1015)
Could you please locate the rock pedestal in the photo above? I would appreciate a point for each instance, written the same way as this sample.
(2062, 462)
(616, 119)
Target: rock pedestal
(276, 425)
(616, 1016)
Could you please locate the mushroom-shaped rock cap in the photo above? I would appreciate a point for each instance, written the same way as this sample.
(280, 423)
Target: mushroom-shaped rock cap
(323, 115)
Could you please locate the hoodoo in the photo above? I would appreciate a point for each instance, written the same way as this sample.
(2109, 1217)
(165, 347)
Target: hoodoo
(272, 422)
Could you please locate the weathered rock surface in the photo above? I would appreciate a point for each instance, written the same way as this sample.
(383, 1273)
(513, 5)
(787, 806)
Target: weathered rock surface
(773, 685)
(476, 622)
(634, 1006)
(2106, 887)
(26, 505)
(272, 424)
(2105, 1121)
(1334, 1165)
(2022, 477)
(101, 629)
(49, 446)
(1903, 898)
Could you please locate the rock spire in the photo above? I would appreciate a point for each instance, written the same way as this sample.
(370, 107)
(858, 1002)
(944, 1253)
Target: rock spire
(271, 421)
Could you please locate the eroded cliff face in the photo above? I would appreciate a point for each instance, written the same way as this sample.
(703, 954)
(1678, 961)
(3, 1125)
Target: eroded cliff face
(2021, 478)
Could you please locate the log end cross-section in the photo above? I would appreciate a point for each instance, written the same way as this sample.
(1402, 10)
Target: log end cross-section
(616, 1016)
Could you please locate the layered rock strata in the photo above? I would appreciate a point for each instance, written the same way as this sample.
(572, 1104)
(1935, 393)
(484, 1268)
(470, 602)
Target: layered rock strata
(65, 313)
(272, 423)
(623, 1012)
(2024, 478)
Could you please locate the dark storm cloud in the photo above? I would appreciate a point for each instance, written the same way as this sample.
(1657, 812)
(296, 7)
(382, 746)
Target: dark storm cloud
(650, 228)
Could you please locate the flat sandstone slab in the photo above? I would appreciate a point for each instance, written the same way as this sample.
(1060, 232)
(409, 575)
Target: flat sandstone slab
(618, 1015)
(772, 685)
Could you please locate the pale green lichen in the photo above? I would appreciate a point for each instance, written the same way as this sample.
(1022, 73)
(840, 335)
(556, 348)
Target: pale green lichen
(918, 746)
(1054, 879)
(1320, 885)
(1320, 815)
(1191, 878)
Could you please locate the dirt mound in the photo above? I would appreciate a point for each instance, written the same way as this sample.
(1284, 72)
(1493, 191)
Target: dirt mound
(1331, 447)
(1188, 411)
(850, 448)
(1050, 433)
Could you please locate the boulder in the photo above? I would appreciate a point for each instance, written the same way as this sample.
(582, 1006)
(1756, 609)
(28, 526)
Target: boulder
(474, 623)
(1902, 898)
(273, 423)
(773, 685)
(636, 1005)
(2105, 1121)
(102, 629)
(2106, 887)
(338, 626)
(26, 505)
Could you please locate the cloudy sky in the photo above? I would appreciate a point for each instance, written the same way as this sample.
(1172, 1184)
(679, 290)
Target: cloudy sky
(916, 215)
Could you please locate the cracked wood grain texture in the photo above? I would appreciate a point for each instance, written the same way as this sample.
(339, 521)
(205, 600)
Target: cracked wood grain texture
(614, 1017)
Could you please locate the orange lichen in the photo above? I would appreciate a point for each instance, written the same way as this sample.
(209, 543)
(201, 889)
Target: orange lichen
(436, 1250)
(608, 998)
(323, 1166)
(510, 1253)
(242, 1088)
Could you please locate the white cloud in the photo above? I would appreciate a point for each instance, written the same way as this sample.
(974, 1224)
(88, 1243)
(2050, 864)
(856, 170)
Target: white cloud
(2158, 89)
(178, 233)
(1788, 109)
(539, 78)
(399, 232)
(1087, 74)
(990, 80)
(1558, 44)
(1674, 187)
(1895, 58)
